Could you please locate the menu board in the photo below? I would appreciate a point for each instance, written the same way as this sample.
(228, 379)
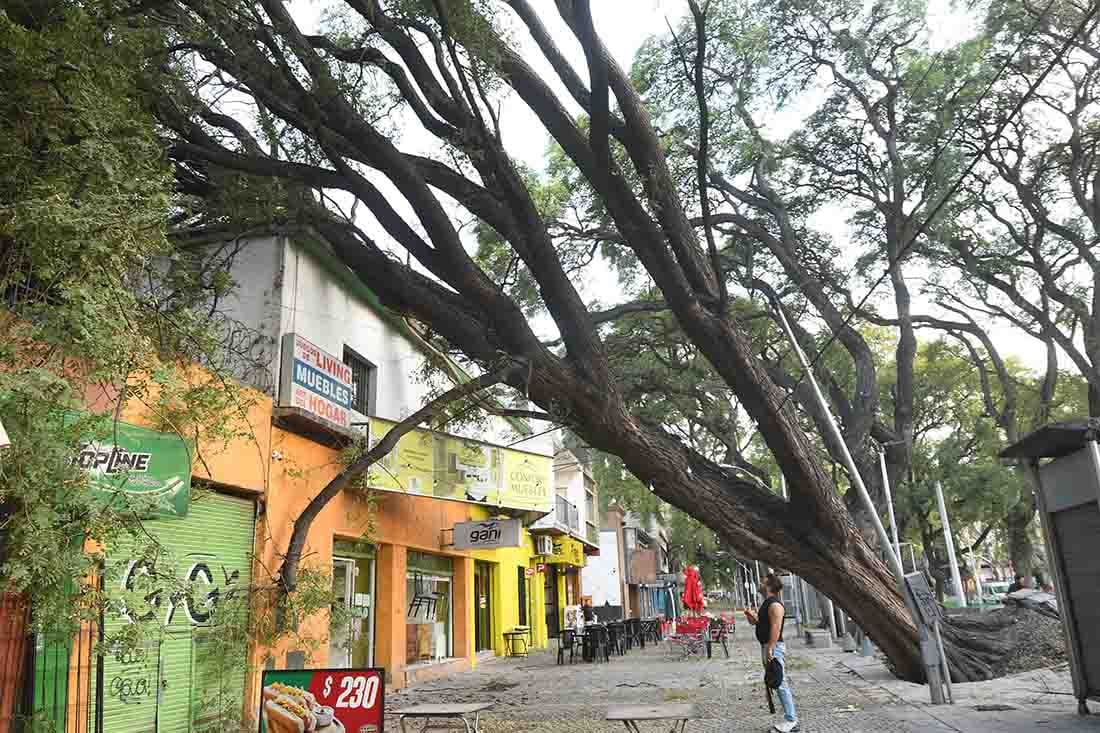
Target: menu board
(323, 700)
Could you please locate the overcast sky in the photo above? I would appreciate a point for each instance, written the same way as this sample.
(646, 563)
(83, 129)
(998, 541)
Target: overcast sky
(624, 25)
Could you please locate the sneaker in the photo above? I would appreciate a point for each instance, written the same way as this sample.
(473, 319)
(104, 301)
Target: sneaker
(787, 726)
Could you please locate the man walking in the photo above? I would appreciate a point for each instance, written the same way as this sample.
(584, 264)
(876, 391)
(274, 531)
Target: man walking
(769, 632)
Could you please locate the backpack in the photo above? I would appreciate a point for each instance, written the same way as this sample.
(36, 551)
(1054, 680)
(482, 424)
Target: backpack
(773, 674)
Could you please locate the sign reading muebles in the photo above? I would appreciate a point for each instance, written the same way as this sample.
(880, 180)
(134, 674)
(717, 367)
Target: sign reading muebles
(486, 535)
(315, 381)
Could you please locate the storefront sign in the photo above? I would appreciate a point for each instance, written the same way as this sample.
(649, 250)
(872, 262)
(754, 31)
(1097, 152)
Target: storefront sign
(142, 463)
(323, 700)
(529, 572)
(526, 481)
(567, 551)
(449, 467)
(486, 535)
(315, 381)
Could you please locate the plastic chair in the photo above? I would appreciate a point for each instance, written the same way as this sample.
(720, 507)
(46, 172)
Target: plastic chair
(567, 639)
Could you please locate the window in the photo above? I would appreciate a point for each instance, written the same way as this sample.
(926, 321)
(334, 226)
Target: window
(428, 621)
(361, 372)
(522, 578)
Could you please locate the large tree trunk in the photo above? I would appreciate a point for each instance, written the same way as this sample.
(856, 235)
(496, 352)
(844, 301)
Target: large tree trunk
(1021, 550)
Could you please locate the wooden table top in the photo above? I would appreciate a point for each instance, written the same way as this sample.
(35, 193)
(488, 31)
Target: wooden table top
(443, 709)
(678, 711)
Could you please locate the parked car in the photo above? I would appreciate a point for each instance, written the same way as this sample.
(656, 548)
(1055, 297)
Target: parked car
(993, 592)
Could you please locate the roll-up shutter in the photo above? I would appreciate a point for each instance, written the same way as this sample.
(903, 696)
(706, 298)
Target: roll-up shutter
(165, 687)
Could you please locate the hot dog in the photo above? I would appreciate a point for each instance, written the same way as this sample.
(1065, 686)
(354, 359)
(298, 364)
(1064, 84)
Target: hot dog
(275, 689)
(286, 715)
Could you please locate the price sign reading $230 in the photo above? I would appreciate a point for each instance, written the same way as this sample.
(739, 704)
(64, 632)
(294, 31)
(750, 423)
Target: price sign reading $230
(355, 692)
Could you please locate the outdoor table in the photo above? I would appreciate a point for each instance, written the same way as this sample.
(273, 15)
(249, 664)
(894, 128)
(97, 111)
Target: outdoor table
(679, 714)
(518, 634)
(457, 712)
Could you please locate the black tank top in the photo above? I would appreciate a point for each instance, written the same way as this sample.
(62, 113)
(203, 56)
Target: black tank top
(764, 624)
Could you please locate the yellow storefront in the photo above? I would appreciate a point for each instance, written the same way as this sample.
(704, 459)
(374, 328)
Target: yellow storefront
(563, 568)
(512, 597)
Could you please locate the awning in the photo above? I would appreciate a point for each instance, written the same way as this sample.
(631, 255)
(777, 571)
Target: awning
(1055, 440)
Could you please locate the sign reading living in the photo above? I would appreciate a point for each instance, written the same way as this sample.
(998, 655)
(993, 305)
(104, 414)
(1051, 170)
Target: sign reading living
(316, 381)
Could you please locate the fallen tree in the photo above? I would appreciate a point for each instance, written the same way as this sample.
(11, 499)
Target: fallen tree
(321, 130)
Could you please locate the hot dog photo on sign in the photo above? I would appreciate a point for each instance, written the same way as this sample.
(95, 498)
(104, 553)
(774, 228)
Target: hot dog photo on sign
(289, 709)
(322, 701)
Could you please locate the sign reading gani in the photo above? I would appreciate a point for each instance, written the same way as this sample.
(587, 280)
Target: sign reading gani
(126, 459)
(450, 467)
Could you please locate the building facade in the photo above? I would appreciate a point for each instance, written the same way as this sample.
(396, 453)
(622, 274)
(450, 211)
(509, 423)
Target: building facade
(604, 577)
(433, 560)
(569, 528)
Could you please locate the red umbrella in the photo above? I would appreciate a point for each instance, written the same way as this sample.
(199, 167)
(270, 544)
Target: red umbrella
(693, 590)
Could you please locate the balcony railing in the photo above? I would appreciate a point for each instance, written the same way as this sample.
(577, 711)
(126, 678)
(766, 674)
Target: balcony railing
(565, 517)
(570, 511)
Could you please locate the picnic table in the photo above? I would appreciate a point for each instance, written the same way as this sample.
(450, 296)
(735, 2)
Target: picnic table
(458, 712)
(630, 715)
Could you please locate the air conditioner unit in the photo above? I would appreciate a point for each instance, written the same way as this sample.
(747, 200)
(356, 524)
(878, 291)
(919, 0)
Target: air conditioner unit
(544, 546)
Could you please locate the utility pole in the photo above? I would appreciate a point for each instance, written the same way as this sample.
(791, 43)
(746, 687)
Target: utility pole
(889, 501)
(931, 662)
(956, 578)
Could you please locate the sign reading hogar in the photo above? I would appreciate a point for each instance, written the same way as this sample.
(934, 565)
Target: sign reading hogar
(315, 381)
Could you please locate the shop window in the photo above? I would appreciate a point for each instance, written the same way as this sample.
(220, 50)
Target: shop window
(522, 577)
(362, 376)
(428, 622)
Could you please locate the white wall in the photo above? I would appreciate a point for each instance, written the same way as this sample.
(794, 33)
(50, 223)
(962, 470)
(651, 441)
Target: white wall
(319, 308)
(600, 576)
(283, 289)
(252, 311)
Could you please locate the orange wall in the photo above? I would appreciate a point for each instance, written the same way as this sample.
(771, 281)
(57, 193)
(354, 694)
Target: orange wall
(400, 523)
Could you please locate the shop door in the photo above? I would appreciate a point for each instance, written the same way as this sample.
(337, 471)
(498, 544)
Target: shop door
(483, 613)
(180, 680)
(551, 588)
(351, 640)
(340, 634)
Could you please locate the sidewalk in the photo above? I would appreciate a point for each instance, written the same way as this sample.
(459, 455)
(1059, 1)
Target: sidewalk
(836, 692)
(1041, 700)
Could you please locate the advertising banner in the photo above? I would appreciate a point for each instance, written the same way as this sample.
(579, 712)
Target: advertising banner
(126, 459)
(526, 481)
(467, 470)
(486, 535)
(567, 551)
(315, 381)
(450, 467)
(408, 467)
(323, 701)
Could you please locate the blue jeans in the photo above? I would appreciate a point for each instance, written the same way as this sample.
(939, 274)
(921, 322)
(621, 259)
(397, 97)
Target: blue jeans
(784, 691)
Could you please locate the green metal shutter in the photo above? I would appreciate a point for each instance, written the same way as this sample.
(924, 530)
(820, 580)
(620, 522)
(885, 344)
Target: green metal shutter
(213, 545)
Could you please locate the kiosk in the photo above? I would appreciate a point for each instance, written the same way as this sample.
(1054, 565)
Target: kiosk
(1064, 461)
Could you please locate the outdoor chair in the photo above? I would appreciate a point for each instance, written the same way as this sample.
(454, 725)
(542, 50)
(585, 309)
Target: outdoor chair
(618, 636)
(686, 646)
(567, 641)
(718, 633)
(595, 643)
